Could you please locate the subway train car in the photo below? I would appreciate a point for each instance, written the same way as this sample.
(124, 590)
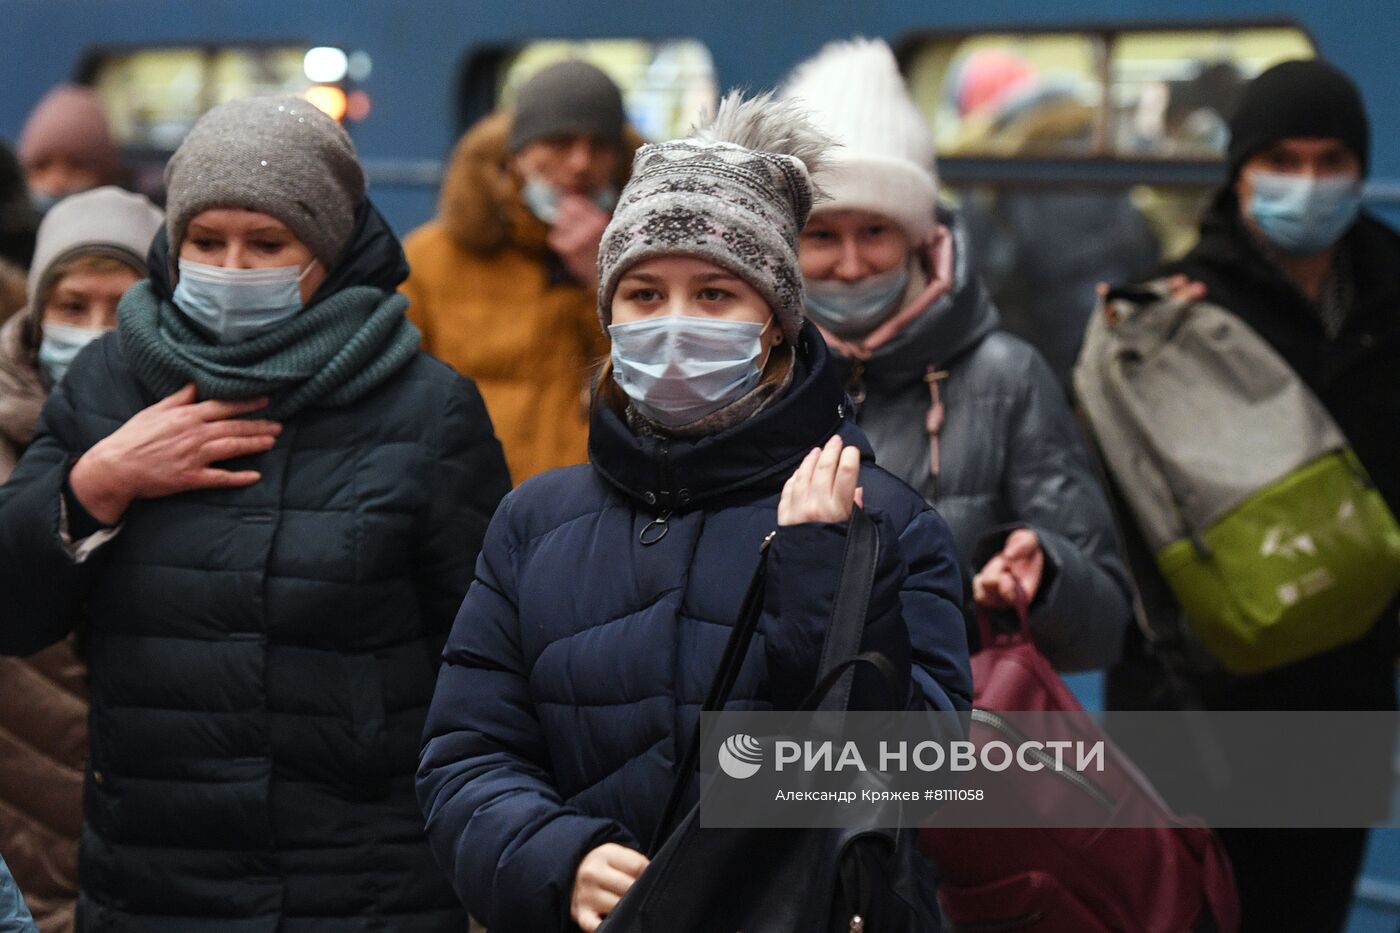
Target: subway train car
(1108, 110)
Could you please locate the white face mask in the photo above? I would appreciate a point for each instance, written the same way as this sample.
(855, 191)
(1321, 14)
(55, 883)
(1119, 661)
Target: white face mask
(678, 369)
(61, 344)
(854, 309)
(233, 305)
(543, 199)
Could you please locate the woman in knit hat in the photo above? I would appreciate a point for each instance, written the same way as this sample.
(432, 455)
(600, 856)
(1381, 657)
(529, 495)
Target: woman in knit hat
(967, 414)
(566, 697)
(91, 248)
(262, 503)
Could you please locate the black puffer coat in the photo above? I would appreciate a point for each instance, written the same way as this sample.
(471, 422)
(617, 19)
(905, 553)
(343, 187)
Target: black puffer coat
(262, 658)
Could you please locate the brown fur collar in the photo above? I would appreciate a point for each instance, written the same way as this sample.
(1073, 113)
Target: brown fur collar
(480, 202)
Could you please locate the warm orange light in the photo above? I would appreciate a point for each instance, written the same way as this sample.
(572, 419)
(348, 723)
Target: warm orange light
(329, 100)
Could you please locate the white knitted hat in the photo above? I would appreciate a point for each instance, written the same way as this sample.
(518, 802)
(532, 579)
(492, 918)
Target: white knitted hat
(853, 92)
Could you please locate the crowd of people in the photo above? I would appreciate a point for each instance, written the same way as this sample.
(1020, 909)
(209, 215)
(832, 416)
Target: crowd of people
(355, 586)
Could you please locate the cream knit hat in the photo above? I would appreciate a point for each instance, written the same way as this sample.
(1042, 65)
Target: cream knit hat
(853, 92)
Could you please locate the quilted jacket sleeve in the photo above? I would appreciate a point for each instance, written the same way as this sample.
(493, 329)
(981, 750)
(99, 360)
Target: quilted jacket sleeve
(914, 617)
(495, 820)
(1079, 618)
(469, 480)
(45, 586)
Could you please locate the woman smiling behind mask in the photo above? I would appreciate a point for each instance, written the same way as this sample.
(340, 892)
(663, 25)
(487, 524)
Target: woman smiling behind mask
(566, 698)
(264, 503)
(965, 413)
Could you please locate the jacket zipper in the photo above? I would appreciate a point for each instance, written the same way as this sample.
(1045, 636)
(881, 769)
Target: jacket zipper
(1000, 724)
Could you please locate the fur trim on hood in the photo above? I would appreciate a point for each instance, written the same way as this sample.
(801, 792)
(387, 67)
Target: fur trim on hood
(480, 202)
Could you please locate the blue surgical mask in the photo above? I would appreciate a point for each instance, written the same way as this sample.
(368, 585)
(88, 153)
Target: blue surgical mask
(854, 309)
(233, 305)
(1302, 215)
(43, 203)
(543, 199)
(677, 369)
(60, 344)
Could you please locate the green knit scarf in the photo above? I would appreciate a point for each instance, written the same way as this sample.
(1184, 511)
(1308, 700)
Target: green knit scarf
(330, 354)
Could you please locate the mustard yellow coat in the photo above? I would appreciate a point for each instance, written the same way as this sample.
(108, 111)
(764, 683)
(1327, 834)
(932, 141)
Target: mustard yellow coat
(496, 304)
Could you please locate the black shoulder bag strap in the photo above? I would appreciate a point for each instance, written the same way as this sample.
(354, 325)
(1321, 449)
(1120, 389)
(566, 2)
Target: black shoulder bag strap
(839, 650)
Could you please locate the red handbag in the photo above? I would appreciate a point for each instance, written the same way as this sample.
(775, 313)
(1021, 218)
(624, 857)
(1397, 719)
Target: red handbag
(1171, 877)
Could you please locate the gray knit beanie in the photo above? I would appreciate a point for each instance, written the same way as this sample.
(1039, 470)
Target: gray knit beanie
(278, 155)
(564, 99)
(736, 193)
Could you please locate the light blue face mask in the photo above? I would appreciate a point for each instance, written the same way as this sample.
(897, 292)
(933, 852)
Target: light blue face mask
(854, 309)
(543, 199)
(60, 344)
(677, 369)
(1301, 215)
(233, 305)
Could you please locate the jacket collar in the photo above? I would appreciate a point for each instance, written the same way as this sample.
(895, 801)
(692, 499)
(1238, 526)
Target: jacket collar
(757, 454)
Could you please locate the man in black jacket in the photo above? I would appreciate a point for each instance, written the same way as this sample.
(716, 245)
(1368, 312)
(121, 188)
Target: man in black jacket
(1286, 247)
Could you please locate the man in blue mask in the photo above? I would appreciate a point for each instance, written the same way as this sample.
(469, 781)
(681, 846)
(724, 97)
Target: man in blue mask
(1286, 246)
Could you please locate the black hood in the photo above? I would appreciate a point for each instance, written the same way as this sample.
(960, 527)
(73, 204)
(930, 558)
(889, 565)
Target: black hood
(760, 453)
(373, 256)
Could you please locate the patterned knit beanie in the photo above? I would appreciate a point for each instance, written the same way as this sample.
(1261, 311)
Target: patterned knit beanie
(735, 193)
(854, 93)
(278, 155)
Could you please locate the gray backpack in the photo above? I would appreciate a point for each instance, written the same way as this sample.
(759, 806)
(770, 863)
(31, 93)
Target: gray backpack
(1260, 517)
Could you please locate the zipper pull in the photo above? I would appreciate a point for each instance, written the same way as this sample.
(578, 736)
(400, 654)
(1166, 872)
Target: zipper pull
(767, 542)
(656, 529)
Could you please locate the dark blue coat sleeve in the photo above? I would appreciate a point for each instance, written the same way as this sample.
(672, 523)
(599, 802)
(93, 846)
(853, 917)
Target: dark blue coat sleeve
(44, 587)
(914, 616)
(496, 821)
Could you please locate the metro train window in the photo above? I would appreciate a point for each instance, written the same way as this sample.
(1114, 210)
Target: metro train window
(153, 96)
(1010, 95)
(666, 84)
(1173, 91)
(1100, 93)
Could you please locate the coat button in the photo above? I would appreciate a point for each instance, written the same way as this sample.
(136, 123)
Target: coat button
(1368, 340)
(650, 498)
(97, 777)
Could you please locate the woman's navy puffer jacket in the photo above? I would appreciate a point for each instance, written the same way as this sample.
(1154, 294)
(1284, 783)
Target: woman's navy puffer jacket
(262, 659)
(580, 656)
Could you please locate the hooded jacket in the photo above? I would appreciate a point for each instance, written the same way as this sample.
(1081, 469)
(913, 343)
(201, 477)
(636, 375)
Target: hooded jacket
(1011, 456)
(1354, 376)
(497, 305)
(261, 658)
(580, 657)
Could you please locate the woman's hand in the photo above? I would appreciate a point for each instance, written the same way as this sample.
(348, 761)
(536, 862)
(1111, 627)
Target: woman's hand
(823, 489)
(169, 448)
(1021, 561)
(603, 877)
